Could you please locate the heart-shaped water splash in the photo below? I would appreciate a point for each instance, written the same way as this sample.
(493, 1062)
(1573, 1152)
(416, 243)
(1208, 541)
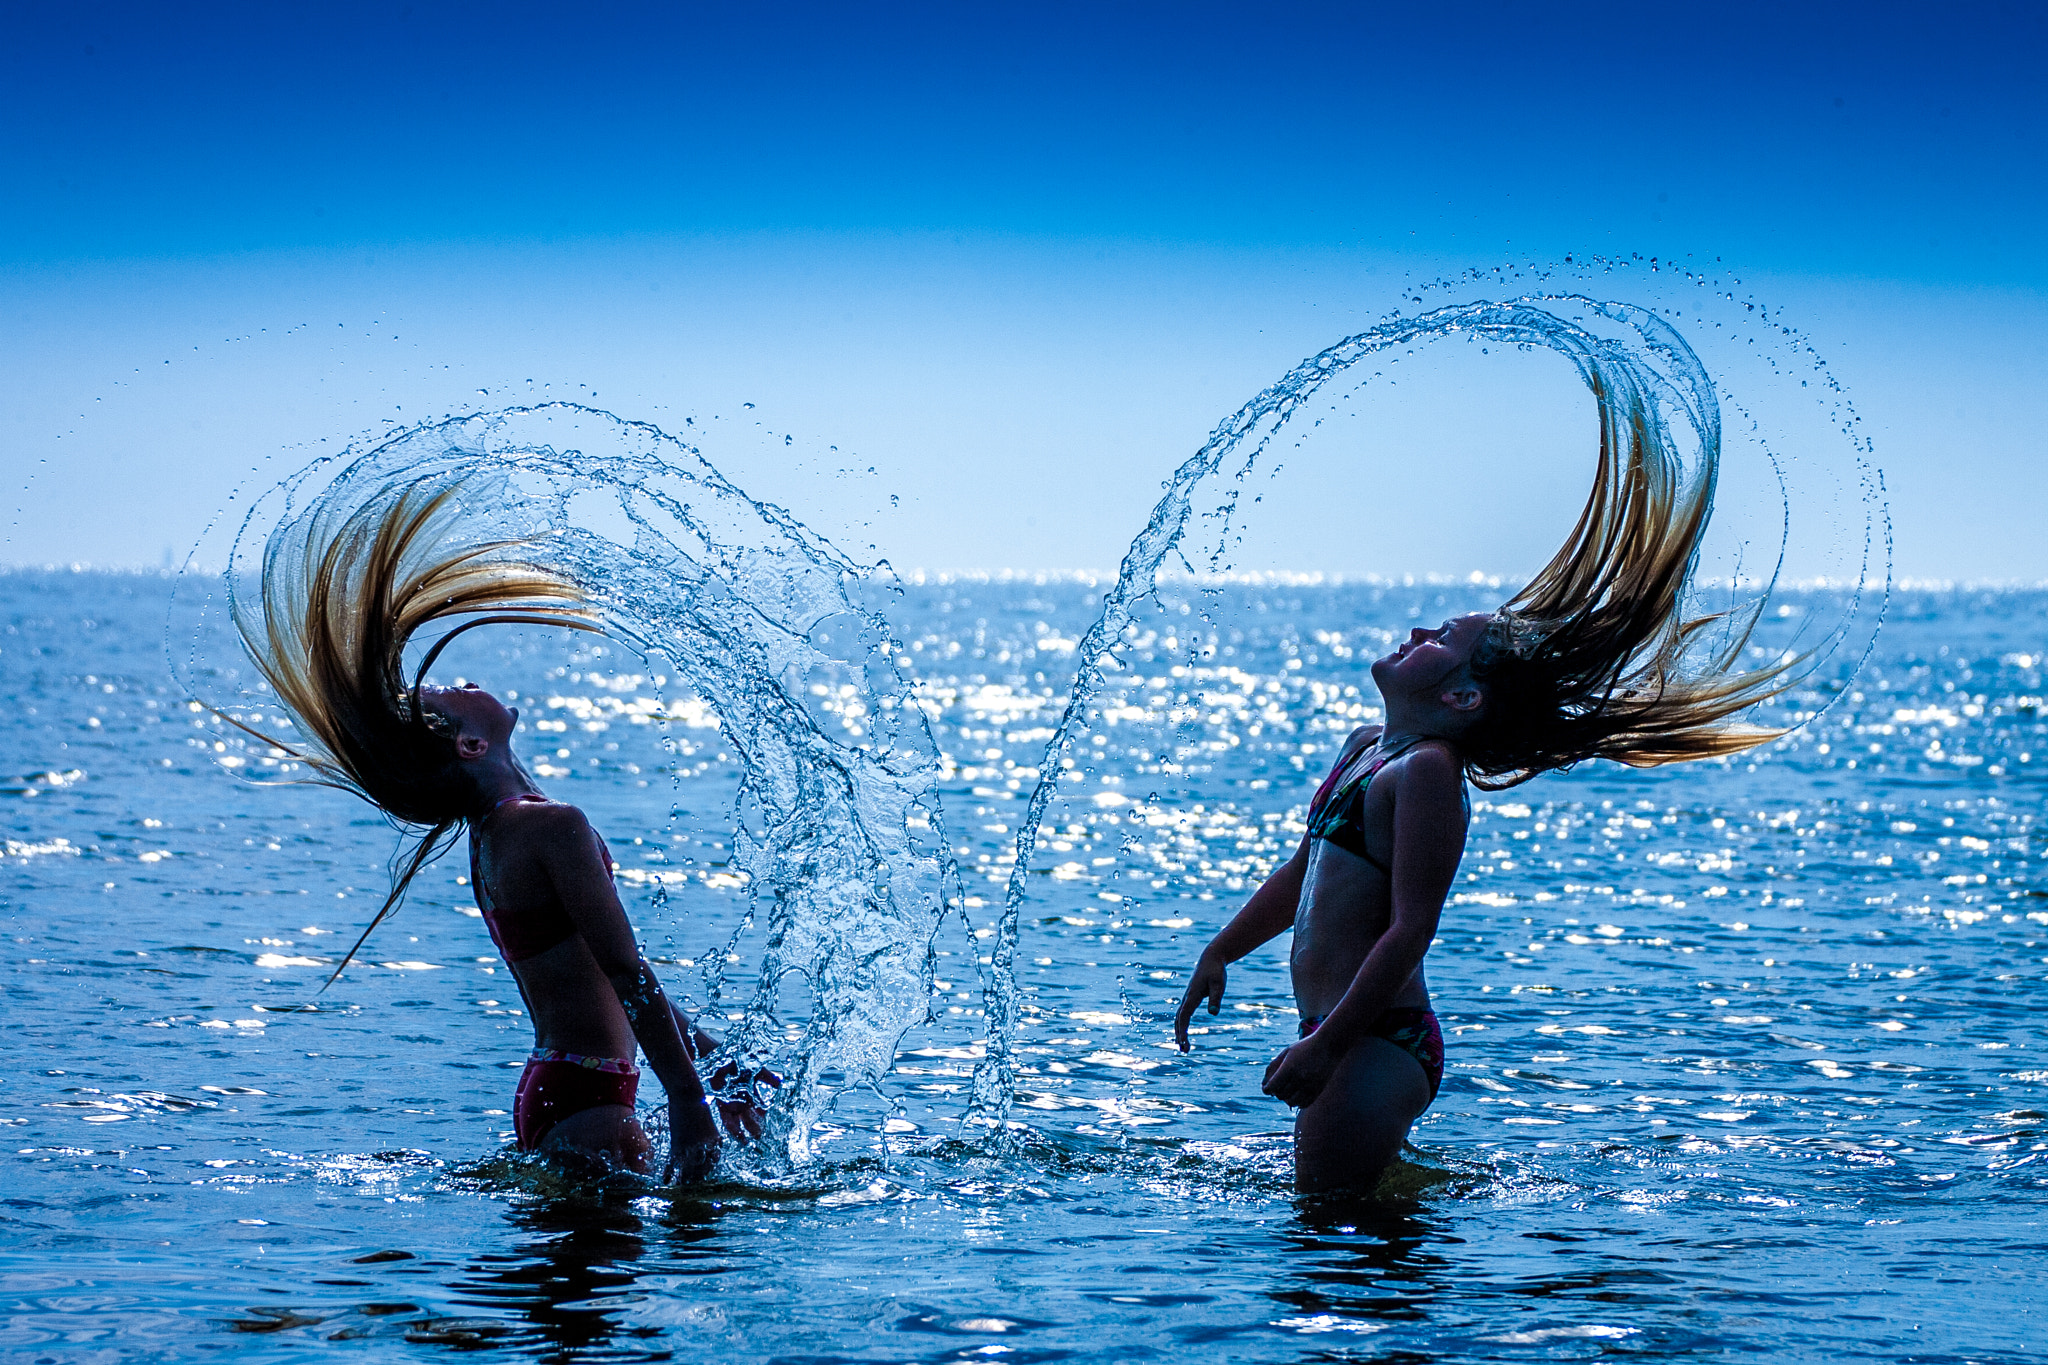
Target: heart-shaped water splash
(840, 833)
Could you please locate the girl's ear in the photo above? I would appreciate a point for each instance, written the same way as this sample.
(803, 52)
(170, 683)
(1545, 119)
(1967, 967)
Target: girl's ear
(1464, 699)
(468, 745)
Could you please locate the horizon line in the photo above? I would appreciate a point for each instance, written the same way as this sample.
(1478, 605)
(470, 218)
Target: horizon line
(1304, 578)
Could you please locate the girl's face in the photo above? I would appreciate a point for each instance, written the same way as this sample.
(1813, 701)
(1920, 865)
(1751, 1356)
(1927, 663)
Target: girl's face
(1422, 666)
(473, 711)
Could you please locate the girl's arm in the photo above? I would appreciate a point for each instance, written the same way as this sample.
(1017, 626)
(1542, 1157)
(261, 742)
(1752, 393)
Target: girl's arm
(580, 871)
(1429, 842)
(1266, 916)
(700, 1043)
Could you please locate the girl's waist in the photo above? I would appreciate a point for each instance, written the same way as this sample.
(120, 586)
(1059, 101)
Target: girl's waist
(1316, 994)
(584, 1037)
(1388, 1023)
(1322, 979)
(575, 1011)
(1333, 936)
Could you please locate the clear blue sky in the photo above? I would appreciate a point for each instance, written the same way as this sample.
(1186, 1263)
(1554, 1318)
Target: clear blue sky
(1018, 258)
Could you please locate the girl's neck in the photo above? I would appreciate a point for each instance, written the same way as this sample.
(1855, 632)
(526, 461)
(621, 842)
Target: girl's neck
(495, 788)
(1404, 728)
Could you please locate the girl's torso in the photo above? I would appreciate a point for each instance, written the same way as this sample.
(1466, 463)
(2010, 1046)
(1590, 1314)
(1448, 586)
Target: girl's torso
(572, 1006)
(1347, 894)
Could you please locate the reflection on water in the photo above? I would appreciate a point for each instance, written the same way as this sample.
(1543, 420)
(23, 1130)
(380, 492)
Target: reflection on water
(572, 1265)
(571, 1268)
(1359, 1265)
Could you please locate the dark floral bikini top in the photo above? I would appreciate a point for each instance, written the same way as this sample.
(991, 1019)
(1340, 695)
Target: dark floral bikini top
(1337, 814)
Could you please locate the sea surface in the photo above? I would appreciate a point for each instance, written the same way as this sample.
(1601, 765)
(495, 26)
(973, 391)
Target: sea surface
(1745, 1058)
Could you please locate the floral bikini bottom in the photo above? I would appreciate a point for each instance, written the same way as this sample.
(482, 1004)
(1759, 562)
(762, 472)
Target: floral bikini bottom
(557, 1084)
(1414, 1030)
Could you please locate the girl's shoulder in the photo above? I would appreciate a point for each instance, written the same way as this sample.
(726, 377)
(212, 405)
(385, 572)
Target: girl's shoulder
(1433, 767)
(554, 833)
(540, 815)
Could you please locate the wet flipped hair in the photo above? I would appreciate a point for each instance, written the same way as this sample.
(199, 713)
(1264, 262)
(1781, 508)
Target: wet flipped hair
(344, 590)
(1598, 657)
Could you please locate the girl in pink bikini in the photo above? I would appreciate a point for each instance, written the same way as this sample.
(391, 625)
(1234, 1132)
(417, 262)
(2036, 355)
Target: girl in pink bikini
(338, 610)
(1596, 657)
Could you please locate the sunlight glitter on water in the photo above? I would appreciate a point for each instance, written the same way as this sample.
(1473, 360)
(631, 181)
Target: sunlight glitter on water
(1736, 1051)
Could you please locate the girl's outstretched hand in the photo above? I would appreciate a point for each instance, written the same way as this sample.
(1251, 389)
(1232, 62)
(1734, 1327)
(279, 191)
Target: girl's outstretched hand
(1299, 1073)
(1208, 979)
(692, 1143)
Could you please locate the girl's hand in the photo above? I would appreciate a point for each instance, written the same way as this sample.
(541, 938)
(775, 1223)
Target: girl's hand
(1299, 1074)
(739, 1104)
(1208, 979)
(692, 1142)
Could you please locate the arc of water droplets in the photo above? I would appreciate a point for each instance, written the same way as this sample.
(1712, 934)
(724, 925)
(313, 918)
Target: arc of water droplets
(840, 829)
(1646, 355)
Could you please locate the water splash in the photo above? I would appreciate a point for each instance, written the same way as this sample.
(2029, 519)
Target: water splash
(1614, 347)
(840, 834)
(841, 837)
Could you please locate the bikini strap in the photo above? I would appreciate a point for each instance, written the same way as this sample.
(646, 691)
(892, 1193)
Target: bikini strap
(1373, 765)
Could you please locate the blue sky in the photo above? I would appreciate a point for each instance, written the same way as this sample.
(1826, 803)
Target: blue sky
(1018, 258)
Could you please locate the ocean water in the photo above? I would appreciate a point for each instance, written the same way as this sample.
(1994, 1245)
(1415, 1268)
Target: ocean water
(1744, 1058)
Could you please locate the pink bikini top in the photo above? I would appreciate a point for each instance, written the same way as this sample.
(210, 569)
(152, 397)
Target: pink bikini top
(519, 934)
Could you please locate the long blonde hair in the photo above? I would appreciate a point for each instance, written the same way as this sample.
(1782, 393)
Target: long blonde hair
(344, 590)
(1598, 657)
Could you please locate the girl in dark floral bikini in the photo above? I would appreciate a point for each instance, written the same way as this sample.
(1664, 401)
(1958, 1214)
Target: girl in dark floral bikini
(1595, 658)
